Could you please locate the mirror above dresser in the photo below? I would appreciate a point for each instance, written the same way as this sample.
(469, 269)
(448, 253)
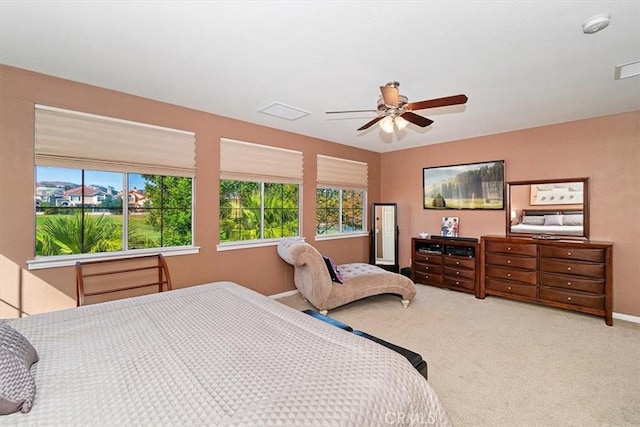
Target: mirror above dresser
(548, 209)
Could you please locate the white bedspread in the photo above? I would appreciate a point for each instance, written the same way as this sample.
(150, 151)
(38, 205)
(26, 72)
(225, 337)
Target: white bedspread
(215, 354)
(573, 230)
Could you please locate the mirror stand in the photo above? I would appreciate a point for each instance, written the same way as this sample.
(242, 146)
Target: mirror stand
(384, 237)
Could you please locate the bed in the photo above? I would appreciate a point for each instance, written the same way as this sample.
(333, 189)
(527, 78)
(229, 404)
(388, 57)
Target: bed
(214, 354)
(566, 222)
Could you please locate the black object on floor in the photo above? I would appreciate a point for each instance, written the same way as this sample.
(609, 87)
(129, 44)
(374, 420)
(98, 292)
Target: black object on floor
(329, 320)
(406, 272)
(414, 358)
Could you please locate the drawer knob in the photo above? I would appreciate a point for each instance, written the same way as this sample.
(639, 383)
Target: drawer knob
(508, 274)
(457, 273)
(568, 268)
(509, 261)
(508, 248)
(509, 287)
(457, 262)
(457, 283)
(568, 283)
(568, 298)
(568, 253)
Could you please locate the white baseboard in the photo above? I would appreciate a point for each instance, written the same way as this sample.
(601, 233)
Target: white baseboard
(284, 294)
(627, 317)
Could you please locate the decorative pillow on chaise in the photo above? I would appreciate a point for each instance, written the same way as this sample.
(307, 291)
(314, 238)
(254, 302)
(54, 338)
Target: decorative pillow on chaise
(333, 270)
(17, 386)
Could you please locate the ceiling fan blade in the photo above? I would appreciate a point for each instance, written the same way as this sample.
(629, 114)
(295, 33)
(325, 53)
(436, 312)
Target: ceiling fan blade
(416, 119)
(351, 111)
(371, 123)
(390, 95)
(437, 102)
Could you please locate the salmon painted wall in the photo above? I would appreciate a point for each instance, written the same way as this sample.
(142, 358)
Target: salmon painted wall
(35, 291)
(605, 149)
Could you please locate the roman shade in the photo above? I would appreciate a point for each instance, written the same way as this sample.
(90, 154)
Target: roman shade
(334, 172)
(71, 139)
(245, 161)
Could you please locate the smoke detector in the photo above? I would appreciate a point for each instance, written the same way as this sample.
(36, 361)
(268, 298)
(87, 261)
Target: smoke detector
(596, 23)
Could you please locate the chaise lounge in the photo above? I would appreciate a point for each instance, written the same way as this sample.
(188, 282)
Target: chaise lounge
(359, 280)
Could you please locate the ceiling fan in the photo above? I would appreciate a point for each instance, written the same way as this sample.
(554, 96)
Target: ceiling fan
(395, 109)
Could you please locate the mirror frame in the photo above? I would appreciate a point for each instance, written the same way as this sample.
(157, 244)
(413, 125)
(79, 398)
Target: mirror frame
(585, 209)
(395, 267)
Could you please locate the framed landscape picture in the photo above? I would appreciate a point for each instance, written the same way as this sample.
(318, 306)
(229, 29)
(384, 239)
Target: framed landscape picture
(464, 186)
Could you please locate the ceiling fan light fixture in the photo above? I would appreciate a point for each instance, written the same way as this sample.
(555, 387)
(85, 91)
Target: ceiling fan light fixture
(400, 123)
(386, 124)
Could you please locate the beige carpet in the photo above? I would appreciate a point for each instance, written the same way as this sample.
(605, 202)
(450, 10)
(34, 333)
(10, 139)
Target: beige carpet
(496, 362)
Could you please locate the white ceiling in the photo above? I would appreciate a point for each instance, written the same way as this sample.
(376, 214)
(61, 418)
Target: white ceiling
(521, 63)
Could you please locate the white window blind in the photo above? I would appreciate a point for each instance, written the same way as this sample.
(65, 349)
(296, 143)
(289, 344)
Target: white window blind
(245, 161)
(342, 173)
(70, 139)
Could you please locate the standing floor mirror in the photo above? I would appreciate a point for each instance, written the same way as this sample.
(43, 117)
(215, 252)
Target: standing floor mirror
(384, 236)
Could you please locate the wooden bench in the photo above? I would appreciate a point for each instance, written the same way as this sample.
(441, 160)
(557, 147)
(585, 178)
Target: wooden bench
(124, 276)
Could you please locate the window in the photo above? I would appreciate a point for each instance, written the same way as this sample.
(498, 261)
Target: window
(340, 196)
(259, 192)
(339, 211)
(109, 186)
(258, 210)
(81, 211)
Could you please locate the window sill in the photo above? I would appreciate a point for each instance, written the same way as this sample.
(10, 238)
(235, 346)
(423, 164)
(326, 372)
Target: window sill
(232, 246)
(341, 236)
(70, 260)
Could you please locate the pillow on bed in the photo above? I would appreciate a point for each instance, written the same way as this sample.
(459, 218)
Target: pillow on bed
(17, 386)
(573, 220)
(553, 220)
(533, 220)
(333, 270)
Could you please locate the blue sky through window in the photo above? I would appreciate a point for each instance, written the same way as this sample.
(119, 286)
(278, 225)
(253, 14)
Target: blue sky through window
(105, 179)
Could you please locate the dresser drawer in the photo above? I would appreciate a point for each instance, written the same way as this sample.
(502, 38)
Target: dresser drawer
(595, 286)
(580, 254)
(428, 278)
(511, 287)
(528, 263)
(468, 263)
(427, 258)
(461, 273)
(429, 268)
(574, 298)
(460, 283)
(525, 276)
(572, 267)
(512, 248)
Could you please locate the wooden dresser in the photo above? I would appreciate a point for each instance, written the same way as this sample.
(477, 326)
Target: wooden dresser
(451, 264)
(573, 275)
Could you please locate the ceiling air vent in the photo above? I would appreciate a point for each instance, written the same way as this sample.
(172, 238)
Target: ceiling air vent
(283, 111)
(629, 69)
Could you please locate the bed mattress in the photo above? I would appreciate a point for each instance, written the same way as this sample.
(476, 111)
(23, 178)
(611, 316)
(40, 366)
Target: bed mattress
(573, 230)
(214, 354)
